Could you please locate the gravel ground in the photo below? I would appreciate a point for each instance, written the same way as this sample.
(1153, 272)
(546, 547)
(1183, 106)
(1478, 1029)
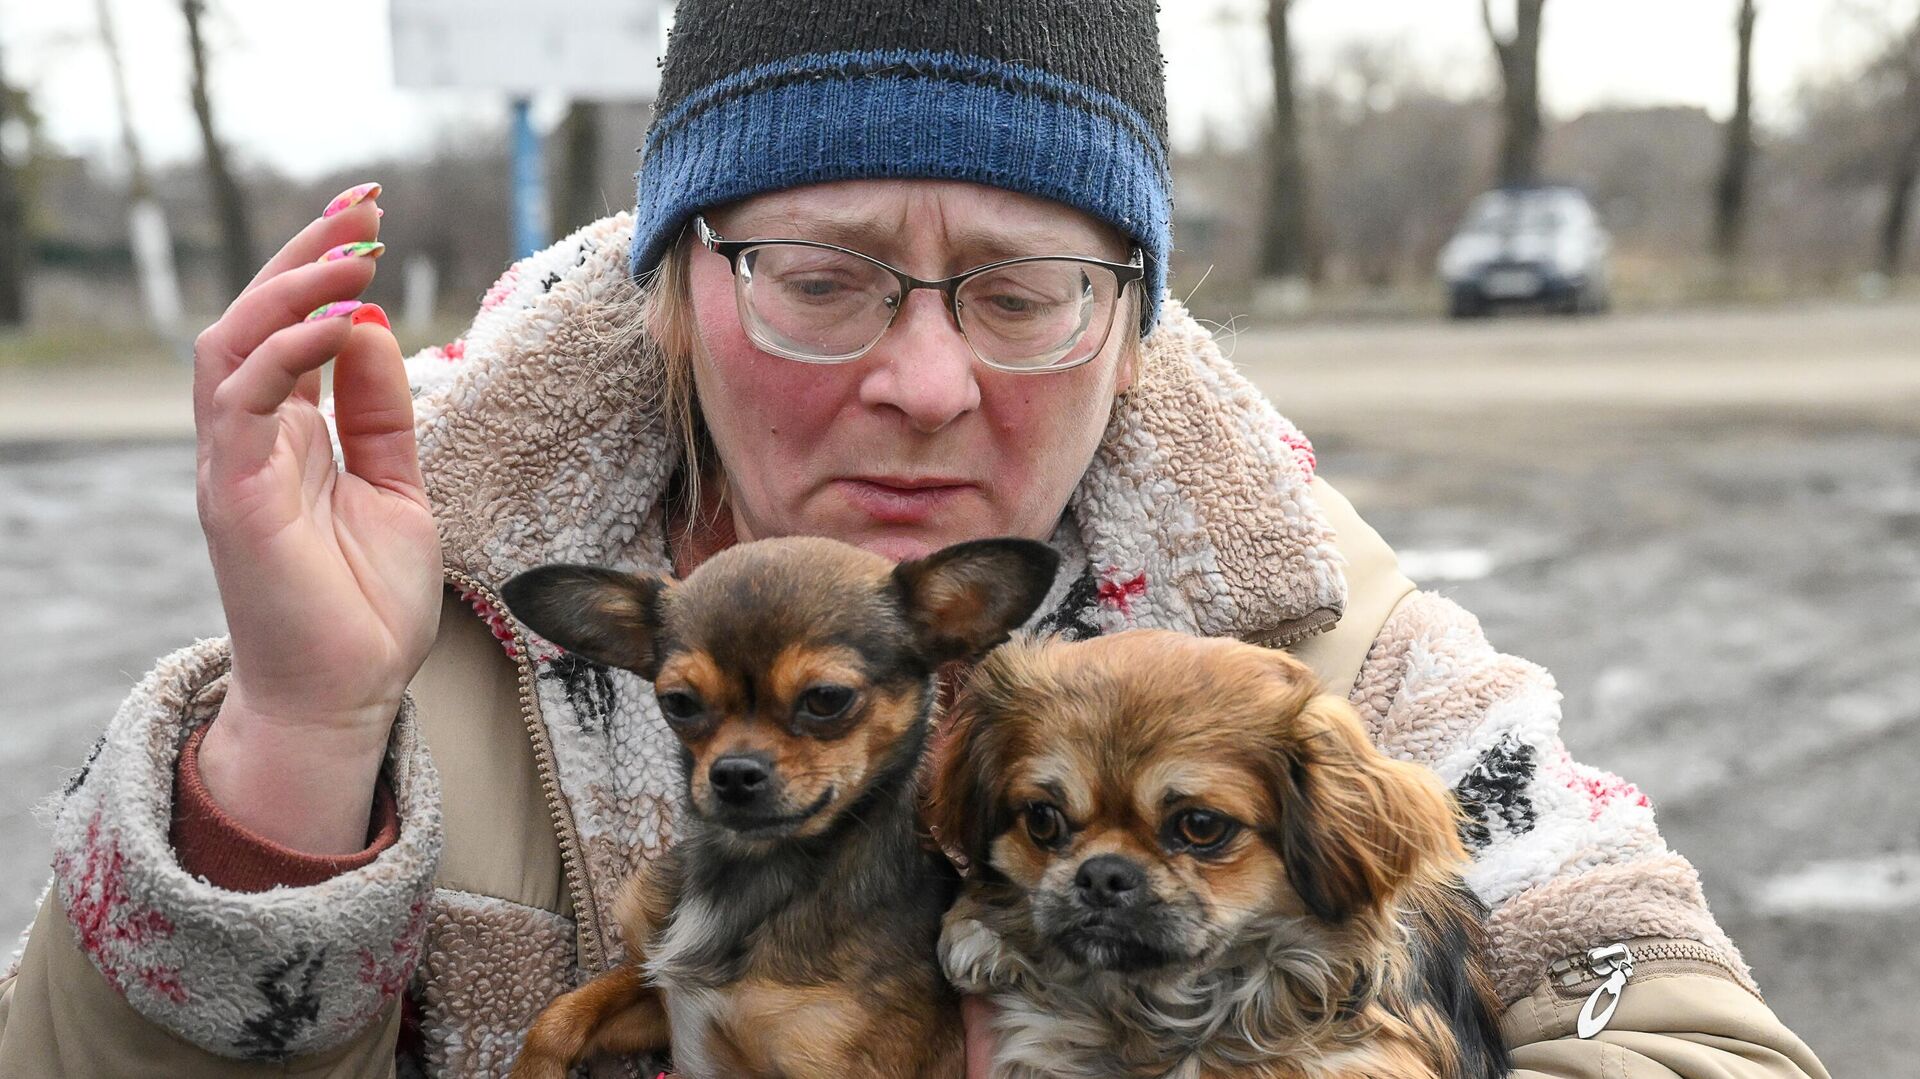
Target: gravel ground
(1725, 584)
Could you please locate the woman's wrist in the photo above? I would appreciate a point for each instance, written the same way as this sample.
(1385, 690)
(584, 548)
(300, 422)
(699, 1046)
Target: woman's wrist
(306, 783)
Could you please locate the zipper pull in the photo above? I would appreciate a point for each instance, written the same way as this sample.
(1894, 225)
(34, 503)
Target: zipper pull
(1615, 963)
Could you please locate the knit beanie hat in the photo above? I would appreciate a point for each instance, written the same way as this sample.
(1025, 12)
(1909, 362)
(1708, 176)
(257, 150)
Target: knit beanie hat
(1063, 99)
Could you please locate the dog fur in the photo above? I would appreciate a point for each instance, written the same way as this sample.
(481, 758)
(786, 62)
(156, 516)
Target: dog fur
(1326, 936)
(791, 929)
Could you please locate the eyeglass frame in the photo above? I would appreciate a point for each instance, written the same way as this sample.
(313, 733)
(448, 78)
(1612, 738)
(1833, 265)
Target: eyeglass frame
(1125, 274)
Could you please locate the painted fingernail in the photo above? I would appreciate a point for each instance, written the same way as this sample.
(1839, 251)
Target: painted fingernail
(352, 196)
(370, 312)
(334, 310)
(370, 249)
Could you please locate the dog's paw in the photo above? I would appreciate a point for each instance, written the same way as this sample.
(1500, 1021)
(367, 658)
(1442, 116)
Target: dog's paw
(975, 958)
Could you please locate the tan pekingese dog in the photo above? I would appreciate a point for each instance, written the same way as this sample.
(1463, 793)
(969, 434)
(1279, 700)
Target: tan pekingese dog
(1186, 861)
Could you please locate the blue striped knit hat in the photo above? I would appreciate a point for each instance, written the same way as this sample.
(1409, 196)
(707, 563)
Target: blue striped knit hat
(1063, 99)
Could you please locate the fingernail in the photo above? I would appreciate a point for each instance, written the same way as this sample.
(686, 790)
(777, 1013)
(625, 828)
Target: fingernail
(358, 249)
(370, 312)
(334, 310)
(351, 196)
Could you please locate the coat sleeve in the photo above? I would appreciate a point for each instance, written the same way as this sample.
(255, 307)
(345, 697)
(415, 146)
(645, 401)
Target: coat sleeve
(136, 967)
(1567, 859)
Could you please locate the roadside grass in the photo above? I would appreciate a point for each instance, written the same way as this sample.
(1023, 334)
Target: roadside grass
(78, 345)
(74, 345)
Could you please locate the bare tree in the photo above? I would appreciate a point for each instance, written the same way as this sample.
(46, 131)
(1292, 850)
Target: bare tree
(1904, 169)
(1518, 54)
(1287, 248)
(577, 197)
(13, 226)
(1736, 163)
(229, 200)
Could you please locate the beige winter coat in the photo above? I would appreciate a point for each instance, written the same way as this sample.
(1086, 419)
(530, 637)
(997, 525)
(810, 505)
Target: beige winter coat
(530, 784)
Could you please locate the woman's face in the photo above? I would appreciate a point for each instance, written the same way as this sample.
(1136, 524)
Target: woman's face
(916, 444)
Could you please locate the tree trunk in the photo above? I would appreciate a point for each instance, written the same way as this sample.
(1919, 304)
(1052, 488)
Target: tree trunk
(229, 201)
(577, 198)
(1519, 60)
(1906, 163)
(1287, 249)
(1730, 193)
(13, 229)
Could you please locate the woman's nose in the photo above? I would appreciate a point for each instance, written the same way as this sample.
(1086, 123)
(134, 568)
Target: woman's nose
(923, 367)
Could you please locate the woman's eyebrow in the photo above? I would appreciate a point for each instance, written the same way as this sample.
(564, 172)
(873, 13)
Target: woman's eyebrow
(865, 233)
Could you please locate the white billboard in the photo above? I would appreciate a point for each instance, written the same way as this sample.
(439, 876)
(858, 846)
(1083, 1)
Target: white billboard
(594, 50)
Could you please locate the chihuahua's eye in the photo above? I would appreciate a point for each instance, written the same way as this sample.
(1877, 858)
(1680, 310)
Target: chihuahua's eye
(1201, 830)
(825, 702)
(1046, 825)
(679, 706)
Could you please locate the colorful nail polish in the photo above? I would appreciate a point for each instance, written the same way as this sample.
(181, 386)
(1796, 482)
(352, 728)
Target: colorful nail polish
(350, 197)
(333, 310)
(371, 312)
(358, 249)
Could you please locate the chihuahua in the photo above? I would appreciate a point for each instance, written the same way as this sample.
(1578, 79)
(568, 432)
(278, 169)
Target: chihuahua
(790, 931)
(1189, 862)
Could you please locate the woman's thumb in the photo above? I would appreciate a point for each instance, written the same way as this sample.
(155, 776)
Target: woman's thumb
(373, 405)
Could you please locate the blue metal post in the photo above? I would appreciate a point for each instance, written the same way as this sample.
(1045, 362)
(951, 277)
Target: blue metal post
(529, 183)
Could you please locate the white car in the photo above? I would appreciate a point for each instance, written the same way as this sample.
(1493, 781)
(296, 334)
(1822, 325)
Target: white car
(1539, 245)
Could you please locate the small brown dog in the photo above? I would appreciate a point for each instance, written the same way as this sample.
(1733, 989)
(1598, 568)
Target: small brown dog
(1188, 862)
(790, 931)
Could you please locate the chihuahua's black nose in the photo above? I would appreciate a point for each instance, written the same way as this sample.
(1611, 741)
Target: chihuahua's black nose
(740, 779)
(1109, 880)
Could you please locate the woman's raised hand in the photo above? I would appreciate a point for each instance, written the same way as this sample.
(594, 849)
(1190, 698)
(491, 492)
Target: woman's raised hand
(330, 578)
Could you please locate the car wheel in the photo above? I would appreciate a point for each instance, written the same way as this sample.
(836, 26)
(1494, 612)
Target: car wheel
(1465, 303)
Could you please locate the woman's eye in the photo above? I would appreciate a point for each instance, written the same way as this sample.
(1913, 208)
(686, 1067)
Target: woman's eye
(825, 702)
(1046, 825)
(680, 706)
(1202, 829)
(814, 289)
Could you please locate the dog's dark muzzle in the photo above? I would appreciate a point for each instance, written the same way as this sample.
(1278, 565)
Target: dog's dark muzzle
(1111, 920)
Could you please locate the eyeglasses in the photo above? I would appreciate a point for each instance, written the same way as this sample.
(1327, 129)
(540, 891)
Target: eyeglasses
(818, 303)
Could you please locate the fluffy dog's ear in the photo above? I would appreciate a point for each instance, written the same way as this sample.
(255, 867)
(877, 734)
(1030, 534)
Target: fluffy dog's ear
(602, 614)
(1356, 826)
(967, 598)
(975, 753)
(961, 798)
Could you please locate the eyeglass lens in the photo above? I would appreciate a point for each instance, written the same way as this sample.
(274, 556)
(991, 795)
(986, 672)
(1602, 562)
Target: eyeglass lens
(827, 306)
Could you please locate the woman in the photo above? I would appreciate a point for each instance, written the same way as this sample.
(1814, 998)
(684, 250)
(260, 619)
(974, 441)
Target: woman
(381, 824)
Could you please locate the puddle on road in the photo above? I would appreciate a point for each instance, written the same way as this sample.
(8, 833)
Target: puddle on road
(1844, 885)
(1425, 565)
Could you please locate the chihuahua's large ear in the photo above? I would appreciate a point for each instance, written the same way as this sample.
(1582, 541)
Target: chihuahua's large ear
(1356, 826)
(602, 614)
(969, 597)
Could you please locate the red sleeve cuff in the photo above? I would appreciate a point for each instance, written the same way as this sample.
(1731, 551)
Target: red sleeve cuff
(211, 844)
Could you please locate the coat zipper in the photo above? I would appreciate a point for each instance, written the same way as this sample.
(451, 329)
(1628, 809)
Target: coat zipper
(586, 911)
(1287, 634)
(1614, 964)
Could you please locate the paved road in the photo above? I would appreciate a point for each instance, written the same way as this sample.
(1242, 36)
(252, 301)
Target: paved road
(1707, 525)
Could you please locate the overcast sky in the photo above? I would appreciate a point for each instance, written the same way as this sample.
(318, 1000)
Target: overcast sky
(310, 86)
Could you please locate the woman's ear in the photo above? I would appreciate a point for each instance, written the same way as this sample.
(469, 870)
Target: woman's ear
(1133, 349)
(1356, 826)
(603, 615)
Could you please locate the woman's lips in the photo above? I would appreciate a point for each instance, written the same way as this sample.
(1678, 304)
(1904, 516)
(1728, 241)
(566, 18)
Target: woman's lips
(903, 501)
